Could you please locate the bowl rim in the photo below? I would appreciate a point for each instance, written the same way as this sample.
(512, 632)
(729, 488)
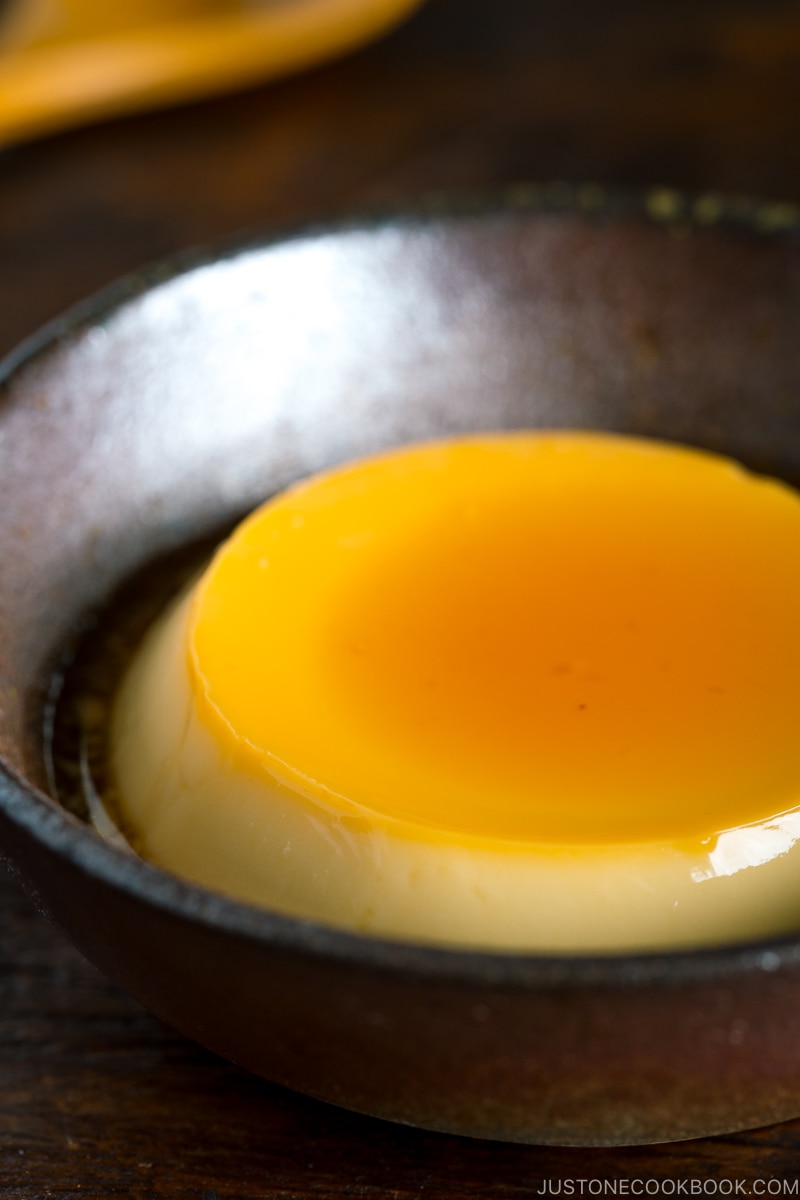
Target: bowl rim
(65, 835)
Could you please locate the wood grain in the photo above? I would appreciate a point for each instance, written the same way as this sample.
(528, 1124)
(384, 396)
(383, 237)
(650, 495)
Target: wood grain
(97, 1099)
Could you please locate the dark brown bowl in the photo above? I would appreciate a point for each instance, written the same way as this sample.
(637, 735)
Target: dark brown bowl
(174, 402)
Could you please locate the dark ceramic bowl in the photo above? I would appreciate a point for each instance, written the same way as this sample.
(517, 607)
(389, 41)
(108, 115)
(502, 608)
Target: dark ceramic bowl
(173, 403)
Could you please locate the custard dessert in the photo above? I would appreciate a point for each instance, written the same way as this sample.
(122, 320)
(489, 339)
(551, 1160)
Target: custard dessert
(525, 691)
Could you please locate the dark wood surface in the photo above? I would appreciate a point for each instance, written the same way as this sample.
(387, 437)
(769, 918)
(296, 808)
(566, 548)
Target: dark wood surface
(97, 1099)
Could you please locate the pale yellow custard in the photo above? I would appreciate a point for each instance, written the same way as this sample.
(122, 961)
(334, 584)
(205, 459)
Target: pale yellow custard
(520, 691)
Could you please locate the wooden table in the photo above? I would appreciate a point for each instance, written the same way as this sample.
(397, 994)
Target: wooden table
(96, 1097)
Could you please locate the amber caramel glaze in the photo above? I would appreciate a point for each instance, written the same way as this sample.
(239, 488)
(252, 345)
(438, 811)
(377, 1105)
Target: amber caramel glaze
(560, 639)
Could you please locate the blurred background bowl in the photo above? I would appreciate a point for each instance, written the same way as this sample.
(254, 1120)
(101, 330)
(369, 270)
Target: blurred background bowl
(165, 408)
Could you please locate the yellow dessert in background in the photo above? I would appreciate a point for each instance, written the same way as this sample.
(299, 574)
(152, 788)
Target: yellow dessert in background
(65, 62)
(522, 691)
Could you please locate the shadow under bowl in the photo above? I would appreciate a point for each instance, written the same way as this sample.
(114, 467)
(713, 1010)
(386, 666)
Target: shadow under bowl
(172, 404)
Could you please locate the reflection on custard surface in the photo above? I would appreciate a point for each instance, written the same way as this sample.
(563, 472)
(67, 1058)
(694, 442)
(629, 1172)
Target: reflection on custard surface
(524, 691)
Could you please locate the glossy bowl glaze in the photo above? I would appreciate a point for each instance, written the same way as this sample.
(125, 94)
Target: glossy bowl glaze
(170, 405)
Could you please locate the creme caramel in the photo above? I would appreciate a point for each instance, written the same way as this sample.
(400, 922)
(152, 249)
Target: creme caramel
(525, 691)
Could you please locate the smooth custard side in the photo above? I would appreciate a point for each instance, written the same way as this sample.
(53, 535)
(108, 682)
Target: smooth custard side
(196, 813)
